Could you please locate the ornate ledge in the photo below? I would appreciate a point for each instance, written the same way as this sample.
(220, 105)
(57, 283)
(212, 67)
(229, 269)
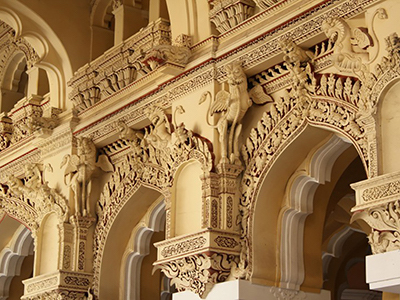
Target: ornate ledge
(377, 191)
(57, 282)
(200, 242)
(197, 261)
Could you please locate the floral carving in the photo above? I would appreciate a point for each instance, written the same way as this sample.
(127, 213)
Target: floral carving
(384, 221)
(198, 272)
(382, 191)
(30, 199)
(226, 242)
(183, 247)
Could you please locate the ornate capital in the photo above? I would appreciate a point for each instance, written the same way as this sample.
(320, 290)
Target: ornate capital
(199, 272)
(197, 261)
(378, 204)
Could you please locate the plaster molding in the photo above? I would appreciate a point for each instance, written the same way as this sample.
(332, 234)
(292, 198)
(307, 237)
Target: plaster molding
(300, 194)
(57, 285)
(12, 256)
(139, 247)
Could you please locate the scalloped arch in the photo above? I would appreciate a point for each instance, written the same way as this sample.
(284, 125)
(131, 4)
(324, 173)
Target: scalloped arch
(11, 257)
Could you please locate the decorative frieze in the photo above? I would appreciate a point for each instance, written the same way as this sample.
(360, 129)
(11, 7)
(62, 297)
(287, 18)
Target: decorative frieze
(200, 242)
(139, 55)
(58, 285)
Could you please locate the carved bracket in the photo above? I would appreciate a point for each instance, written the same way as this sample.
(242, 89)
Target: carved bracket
(378, 204)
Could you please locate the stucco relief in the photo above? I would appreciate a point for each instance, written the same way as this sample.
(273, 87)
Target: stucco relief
(329, 101)
(31, 199)
(156, 153)
(198, 272)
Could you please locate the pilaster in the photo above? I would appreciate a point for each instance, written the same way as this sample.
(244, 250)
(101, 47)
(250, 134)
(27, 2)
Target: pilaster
(201, 259)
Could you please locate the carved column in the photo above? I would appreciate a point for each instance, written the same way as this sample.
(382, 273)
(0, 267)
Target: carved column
(81, 226)
(197, 261)
(6, 130)
(228, 176)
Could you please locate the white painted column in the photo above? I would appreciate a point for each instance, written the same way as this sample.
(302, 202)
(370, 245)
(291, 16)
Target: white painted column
(245, 290)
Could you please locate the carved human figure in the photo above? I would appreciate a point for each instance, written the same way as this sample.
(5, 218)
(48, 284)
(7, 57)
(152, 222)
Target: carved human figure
(298, 62)
(81, 166)
(233, 105)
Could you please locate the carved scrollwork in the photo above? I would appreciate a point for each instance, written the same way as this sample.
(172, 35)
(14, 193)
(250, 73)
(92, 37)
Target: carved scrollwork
(226, 14)
(30, 199)
(156, 153)
(384, 221)
(197, 272)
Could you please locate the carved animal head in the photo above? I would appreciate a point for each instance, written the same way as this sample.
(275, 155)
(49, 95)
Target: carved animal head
(335, 29)
(287, 46)
(156, 115)
(294, 54)
(235, 73)
(86, 146)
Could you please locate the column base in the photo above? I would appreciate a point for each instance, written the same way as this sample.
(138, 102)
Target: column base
(245, 290)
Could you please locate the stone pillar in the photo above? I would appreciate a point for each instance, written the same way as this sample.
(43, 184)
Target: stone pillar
(124, 24)
(198, 260)
(33, 81)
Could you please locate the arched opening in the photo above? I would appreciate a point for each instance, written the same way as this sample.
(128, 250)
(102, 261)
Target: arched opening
(16, 258)
(140, 282)
(102, 28)
(268, 205)
(389, 119)
(114, 256)
(14, 82)
(308, 217)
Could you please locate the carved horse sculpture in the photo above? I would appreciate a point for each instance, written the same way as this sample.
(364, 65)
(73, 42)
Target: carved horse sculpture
(82, 167)
(233, 105)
